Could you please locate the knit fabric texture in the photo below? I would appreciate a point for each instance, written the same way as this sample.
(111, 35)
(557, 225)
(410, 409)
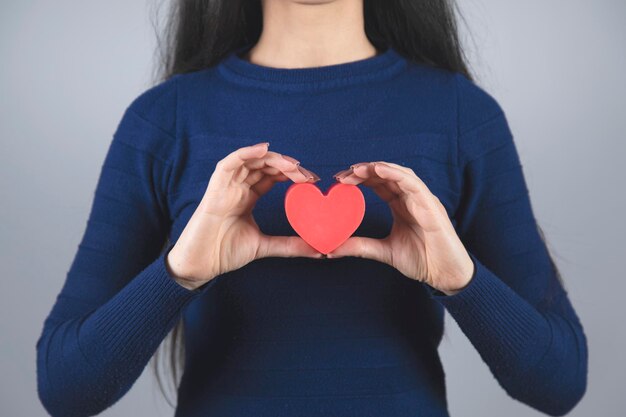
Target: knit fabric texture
(299, 336)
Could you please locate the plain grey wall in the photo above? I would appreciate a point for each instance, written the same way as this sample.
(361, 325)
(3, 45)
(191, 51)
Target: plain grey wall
(69, 69)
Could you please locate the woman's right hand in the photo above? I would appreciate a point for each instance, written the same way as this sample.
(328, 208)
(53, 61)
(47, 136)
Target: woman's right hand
(222, 235)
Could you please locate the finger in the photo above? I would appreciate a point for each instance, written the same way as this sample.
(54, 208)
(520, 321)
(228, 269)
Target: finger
(408, 182)
(271, 159)
(405, 177)
(285, 164)
(363, 173)
(422, 203)
(260, 163)
(363, 247)
(400, 167)
(399, 180)
(279, 161)
(286, 246)
(257, 175)
(266, 183)
(226, 167)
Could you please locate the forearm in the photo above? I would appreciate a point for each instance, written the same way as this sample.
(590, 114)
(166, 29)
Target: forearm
(87, 363)
(538, 357)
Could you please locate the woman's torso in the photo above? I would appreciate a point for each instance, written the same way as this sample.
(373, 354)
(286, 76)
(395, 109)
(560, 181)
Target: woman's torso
(298, 336)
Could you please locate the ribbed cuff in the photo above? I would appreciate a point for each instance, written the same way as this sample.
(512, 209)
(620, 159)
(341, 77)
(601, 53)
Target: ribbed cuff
(505, 328)
(130, 326)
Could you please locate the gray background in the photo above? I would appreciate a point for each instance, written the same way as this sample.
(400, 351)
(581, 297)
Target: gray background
(69, 68)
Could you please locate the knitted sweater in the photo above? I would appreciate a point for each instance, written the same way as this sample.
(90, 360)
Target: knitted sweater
(301, 336)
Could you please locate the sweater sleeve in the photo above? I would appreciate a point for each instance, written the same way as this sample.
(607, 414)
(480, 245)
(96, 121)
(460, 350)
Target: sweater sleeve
(119, 300)
(515, 310)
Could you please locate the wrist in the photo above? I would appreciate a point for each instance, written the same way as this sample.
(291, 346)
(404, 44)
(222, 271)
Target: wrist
(176, 274)
(463, 282)
(191, 285)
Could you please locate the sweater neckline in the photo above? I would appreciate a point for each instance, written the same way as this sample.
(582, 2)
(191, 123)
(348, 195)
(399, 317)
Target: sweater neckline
(385, 64)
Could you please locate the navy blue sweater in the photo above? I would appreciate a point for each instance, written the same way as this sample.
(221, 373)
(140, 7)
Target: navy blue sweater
(301, 336)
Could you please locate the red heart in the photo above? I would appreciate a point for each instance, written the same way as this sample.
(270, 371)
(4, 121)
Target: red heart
(324, 221)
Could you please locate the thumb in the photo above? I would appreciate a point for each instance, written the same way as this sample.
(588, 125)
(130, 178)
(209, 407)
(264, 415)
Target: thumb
(286, 246)
(362, 247)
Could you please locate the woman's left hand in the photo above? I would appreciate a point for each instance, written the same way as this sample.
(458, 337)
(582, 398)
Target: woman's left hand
(423, 243)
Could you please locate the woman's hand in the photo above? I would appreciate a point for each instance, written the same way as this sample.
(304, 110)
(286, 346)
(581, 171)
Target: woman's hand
(222, 235)
(422, 244)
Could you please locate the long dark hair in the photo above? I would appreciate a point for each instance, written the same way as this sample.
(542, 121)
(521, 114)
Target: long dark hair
(198, 33)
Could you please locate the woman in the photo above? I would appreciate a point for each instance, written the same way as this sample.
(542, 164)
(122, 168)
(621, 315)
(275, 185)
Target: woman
(188, 223)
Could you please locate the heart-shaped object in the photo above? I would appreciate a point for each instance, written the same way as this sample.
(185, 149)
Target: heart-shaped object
(324, 221)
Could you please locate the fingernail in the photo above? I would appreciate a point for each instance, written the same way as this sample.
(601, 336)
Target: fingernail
(315, 176)
(263, 143)
(343, 173)
(358, 165)
(305, 172)
(289, 158)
